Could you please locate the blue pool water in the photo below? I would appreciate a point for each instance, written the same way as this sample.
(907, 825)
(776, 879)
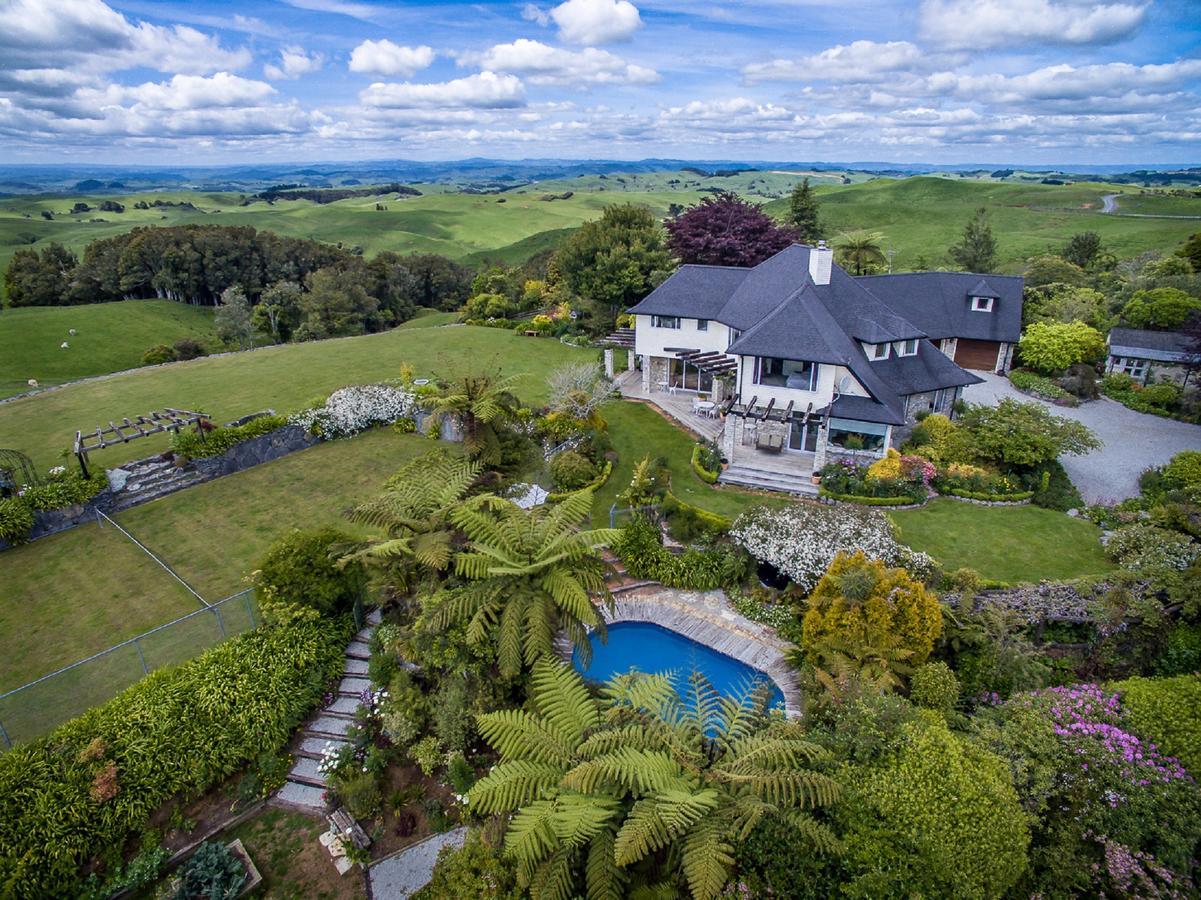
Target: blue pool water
(652, 649)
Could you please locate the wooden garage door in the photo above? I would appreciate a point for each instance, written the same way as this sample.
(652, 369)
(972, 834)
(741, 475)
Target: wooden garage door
(976, 354)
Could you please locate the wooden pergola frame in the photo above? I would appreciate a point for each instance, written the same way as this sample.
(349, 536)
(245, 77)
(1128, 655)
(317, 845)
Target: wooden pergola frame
(155, 422)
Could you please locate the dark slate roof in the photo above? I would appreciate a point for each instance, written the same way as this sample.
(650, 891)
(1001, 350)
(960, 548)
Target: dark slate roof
(929, 370)
(1165, 346)
(698, 292)
(798, 328)
(940, 303)
(865, 409)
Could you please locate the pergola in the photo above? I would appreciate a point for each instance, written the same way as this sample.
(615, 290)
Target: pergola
(710, 362)
(169, 419)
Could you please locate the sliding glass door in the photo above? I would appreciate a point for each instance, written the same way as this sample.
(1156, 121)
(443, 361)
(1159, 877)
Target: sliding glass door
(802, 438)
(688, 377)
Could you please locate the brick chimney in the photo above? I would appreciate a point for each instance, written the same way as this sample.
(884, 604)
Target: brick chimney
(821, 260)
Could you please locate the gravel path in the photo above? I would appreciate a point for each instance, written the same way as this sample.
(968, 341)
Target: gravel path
(1133, 441)
(407, 871)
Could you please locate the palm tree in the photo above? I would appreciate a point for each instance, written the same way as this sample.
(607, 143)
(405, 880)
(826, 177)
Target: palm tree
(480, 404)
(859, 251)
(531, 574)
(414, 513)
(643, 783)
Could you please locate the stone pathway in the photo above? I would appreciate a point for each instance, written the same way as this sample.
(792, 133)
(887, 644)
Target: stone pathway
(406, 871)
(305, 787)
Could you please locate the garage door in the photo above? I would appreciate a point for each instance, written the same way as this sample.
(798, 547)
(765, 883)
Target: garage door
(976, 354)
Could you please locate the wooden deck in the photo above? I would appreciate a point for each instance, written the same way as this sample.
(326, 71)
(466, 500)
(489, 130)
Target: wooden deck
(708, 618)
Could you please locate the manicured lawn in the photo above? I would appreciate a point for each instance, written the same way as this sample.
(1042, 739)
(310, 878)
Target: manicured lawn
(284, 378)
(108, 337)
(1011, 544)
(637, 430)
(73, 594)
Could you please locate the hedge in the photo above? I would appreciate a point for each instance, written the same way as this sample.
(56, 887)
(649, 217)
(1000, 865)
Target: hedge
(701, 472)
(58, 491)
(217, 441)
(871, 501)
(710, 520)
(1019, 497)
(596, 484)
(81, 790)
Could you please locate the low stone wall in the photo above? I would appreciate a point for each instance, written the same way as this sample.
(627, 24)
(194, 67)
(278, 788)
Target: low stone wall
(256, 451)
(1049, 601)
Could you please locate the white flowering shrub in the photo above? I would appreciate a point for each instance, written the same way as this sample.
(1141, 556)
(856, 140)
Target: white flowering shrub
(357, 408)
(802, 540)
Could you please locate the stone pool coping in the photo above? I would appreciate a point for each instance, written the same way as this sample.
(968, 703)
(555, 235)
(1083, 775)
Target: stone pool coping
(708, 618)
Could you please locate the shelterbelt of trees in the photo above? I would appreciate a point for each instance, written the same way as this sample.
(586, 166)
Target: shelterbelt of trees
(198, 264)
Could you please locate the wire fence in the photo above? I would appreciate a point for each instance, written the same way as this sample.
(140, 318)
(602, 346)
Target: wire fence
(39, 706)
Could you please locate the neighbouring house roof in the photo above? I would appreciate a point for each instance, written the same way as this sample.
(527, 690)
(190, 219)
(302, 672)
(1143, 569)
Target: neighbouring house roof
(781, 312)
(940, 303)
(1159, 346)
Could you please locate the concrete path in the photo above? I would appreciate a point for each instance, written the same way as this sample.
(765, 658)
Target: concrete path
(1132, 441)
(405, 872)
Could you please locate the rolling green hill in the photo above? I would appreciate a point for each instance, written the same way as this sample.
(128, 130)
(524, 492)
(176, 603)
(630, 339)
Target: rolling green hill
(921, 218)
(108, 337)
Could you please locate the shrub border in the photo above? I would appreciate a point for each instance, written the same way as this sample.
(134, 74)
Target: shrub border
(596, 483)
(894, 502)
(701, 472)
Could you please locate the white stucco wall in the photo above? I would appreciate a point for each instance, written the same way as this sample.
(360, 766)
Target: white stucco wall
(652, 341)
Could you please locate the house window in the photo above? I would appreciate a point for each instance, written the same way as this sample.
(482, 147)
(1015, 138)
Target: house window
(876, 351)
(665, 321)
(907, 348)
(787, 373)
(702, 324)
(982, 304)
(734, 335)
(1128, 365)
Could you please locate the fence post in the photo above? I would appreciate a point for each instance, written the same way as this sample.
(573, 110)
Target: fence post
(612, 514)
(249, 607)
(7, 740)
(220, 621)
(141, 656)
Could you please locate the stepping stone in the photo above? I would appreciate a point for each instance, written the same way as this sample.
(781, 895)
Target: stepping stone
(316, 745)
(358, 649)
(375, 617)
(306, 770)
(365, 634)
(351, 685)
(356, 667)
(304, 796)
(331, 725)
(344, 705)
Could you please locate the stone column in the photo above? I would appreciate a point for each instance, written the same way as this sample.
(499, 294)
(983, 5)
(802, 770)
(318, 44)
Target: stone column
(609, 363)
(631, 361)
(819, 455)
(729, 436)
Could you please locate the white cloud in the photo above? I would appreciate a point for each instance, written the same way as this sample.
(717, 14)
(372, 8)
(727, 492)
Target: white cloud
(386, 58)
(533, 13)
(859, 62)
(362, 11)
(188, 92)
(974, 24)
(293, 62)
(542, 64)
(1069, 83)
(88, 36)
(484, 90)
(596, 21)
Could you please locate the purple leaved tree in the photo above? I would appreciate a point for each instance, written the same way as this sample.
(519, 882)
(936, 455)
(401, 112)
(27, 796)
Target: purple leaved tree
(725, 230)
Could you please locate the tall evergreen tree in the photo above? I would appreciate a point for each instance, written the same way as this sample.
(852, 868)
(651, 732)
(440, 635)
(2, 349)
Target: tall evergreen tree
(803, 210)
(232, 320)
(977, 251)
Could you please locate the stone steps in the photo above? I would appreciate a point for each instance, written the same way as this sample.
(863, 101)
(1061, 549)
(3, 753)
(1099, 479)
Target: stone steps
(760, 479)
(304, 797)
(358, 650)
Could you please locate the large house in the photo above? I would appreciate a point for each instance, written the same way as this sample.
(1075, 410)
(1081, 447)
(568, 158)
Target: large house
(807, 362)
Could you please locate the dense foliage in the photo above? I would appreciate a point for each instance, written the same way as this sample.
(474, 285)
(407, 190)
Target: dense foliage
(1164, 710)
(215, 441)
(78, 791)
(1024, 434)
(59, 488)
(640, 547)
(725, 230)
(301, 577)
(1163, 307)
(1050, 347)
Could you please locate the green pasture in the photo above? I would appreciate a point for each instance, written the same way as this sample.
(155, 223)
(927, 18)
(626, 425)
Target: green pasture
(108, 337)
(284, 378)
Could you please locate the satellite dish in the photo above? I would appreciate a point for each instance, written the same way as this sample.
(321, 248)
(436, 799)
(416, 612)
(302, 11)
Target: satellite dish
(843, 384)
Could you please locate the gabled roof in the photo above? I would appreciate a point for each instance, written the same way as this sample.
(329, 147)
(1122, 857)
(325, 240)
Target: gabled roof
(1163, 346)
(940, 303)
(929, 370)
(865, 409)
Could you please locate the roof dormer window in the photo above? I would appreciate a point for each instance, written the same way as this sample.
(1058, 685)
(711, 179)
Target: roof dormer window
(907, 348)
(982, 304)
(876, 351)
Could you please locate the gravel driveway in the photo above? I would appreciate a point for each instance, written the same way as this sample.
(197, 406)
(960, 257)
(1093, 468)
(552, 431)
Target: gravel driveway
(1133, 441)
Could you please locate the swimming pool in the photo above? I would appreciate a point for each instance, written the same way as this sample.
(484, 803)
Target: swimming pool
(652, 648)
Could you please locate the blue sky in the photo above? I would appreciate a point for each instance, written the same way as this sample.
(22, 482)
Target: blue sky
(995, 81)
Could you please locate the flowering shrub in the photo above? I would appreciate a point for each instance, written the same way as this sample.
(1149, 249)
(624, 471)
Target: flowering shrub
(973, 481)
(357, 408)
(847, 479)
(1165, 710)
(802, 540)
(895, 467)
(1144, 549)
